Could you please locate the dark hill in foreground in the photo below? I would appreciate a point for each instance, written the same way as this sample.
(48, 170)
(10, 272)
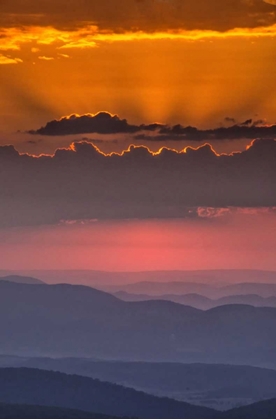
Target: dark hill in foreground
(16, 411)
(260, 410)
(37, 387)
(216, 386)
(33, 393)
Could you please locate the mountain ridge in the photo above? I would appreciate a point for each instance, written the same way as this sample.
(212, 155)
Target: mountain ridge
(98, 278)
(21, 279)
(202, 302)
(210, 291)
(54, 320)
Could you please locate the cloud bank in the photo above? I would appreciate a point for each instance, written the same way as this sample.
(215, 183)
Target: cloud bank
(106, 123)
(141, 15)
(82, 24)
(82, 183)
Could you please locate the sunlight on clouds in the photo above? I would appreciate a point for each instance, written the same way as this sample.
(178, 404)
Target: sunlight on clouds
(43, 57)
(192, 77)
(8, 60)
(91, 36)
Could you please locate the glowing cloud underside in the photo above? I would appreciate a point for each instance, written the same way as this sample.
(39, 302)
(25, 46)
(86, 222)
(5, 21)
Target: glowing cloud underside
(90, 36)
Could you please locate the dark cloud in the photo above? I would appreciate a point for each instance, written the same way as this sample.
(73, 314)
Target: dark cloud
(147, 15)
(82, 183)
(101, 123)
(247, 122)
(230, 120)
(105, 123)
(247, 130)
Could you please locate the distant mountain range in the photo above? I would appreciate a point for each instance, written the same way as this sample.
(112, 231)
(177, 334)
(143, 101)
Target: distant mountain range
(199, 295)
(193, 293)
(216, 386)
(103, 278)
(202, 302)
(206, 290)
(33, 393)
(65, 320)
(21, 279)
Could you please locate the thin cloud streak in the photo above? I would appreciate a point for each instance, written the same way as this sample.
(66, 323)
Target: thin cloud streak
(13, 38)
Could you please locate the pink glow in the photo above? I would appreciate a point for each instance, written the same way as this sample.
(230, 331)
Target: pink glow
(238, 239)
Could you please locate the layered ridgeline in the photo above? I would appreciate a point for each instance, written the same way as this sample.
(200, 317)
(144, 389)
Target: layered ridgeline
(202, 302)
(216, 386)
(65, 320)
(254, 294)
(211, 283)
(214, 292)
(13, 278)
(32, 393)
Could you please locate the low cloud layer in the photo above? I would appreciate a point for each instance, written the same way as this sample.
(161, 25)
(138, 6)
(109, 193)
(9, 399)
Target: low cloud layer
(82, 24)
(105, 123)
(82, 183)
(146, 15)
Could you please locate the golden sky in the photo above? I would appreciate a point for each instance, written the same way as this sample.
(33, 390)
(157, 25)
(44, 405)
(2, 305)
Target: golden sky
(172, 61)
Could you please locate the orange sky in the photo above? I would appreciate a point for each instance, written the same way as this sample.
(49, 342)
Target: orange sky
(147, 61)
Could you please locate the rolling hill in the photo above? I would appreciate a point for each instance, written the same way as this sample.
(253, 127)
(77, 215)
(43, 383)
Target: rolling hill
(33, 393)
(215, 386)
(158, 289)
(202, 302)
(44, 388)
(65, 320)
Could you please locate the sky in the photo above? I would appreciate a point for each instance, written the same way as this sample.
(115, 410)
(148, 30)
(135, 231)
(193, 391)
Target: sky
(232, 241)
(137, 134)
